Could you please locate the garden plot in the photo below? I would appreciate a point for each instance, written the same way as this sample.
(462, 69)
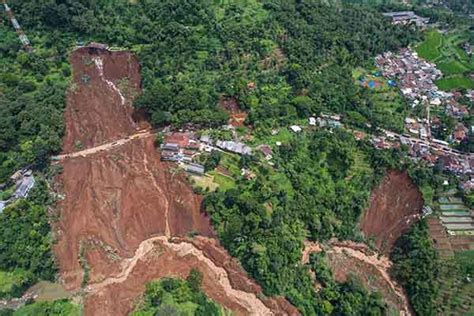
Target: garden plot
(455, 216)
(456, 219)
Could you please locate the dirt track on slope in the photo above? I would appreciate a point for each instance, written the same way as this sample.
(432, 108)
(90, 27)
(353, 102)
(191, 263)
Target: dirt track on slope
(122, 204)
(349, 258)
(394, 206)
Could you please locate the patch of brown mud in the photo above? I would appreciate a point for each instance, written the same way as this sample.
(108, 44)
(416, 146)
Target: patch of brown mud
(159, 257)
(394, 206)
(237, 116)
(122, 204)
(309, 247)
(121, 198)
(349, 258)
(93, 97)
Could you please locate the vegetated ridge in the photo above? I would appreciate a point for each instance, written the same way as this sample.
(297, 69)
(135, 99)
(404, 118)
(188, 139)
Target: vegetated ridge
(122, 205)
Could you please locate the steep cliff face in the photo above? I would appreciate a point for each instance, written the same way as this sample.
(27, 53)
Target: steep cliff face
(125, 213)
(394, 206)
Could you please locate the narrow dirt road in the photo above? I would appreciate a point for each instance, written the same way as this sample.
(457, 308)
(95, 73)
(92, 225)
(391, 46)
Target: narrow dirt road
(104, 147)
(125, 215)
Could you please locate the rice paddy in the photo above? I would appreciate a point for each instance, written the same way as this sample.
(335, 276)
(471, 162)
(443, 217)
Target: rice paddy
(446, 52)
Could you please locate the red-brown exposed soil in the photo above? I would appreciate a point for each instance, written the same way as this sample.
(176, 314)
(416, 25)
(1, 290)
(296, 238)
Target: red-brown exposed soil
(237, 116)
(158, 257)
(440, 237)
(122, 204)
(91, 101)
(348, 259)
(394, 206)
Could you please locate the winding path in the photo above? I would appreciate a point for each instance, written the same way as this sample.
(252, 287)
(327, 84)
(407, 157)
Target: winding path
(249, 301)
(381, 263)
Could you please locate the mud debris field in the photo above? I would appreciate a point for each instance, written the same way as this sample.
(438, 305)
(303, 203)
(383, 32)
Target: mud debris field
(395, 204)
(126, 215)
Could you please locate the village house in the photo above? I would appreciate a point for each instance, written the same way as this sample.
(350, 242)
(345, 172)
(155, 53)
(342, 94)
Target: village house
(235, 147)
(467, 185)
(266, 151)
(359, 135)
(23, 182)
(460, 133)
(295, 128)
(380, 143)
(406, 17)
(194, 168)
(415, 76)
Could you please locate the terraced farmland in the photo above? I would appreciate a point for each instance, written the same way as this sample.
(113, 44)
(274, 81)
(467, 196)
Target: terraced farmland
(444, 50)
(456, 217)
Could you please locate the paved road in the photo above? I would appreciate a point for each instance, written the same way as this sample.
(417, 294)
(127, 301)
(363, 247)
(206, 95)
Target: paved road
(104, 147)
(440, 147)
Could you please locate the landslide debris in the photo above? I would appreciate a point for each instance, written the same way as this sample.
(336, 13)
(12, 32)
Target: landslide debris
(125, 214)
(395, 204)
(355, 259)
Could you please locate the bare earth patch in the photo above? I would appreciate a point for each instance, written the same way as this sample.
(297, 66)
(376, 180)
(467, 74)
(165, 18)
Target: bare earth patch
(126, 215)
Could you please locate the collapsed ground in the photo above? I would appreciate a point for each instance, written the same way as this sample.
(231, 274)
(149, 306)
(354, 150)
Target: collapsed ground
(121, 206)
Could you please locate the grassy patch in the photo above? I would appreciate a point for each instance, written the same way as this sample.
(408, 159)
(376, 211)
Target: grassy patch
(445, 51)
(205, 182)
(48, 291)
(225, 183)
(466, 261)
(12, 284)
(451, 67)
(456, 82)
(429, 48)
(231, 163)
(389, 106)
(284, 135)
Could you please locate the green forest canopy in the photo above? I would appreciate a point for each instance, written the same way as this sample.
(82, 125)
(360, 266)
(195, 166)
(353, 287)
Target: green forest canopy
(170, 296)
(192, 53)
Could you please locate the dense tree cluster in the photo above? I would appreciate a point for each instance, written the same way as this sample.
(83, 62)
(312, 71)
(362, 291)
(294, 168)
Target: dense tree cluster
(32, 98)
(267, 55)
(170, 296)
(348, 298)
(55, 308)
(319, 188)
(25, 239)
(416, 265)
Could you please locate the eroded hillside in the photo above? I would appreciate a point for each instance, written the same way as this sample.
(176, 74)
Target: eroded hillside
(126, 215)
(394, 205)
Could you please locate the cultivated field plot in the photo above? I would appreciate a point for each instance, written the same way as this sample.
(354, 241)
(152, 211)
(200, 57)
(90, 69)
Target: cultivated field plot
(452, 207)
(440, 238)
(456, 264)
(456, 220)
(455, 290)
(446, 52)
